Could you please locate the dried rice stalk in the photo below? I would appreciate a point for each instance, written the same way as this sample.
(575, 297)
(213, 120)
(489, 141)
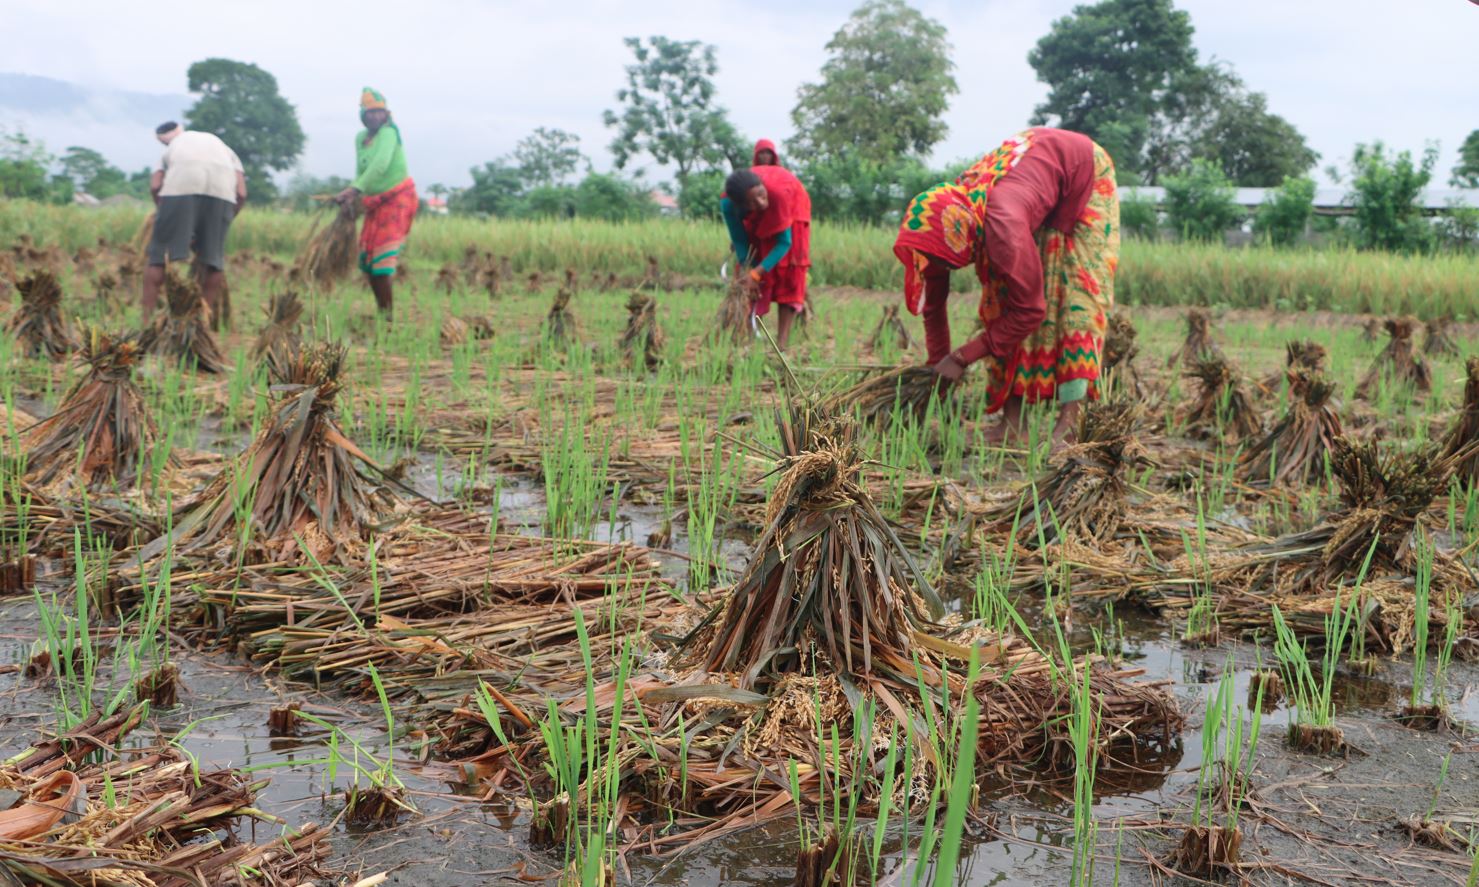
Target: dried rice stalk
(299, 478)
(1199, 343)
(284, 310)
(829, 580)
(642, 332)
(454, 331)
(1371, 329)
(183, 332)
(1222, 405)
(1462, 442)
(38, 323)
(447, 278)
(1305, 354)
(1399, 361)
(560, 328)
(1440, 338)
(907, 389)
(735, 313)
(1083, 496)
(331, 252)
(890, 324)
(1298, 448)
(144, 235)
(103, 416)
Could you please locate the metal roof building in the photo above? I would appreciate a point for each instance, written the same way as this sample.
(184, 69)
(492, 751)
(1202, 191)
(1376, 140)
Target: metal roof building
(1328, 201)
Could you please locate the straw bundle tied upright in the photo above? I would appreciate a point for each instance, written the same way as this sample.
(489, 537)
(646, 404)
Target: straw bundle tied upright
(183, 332)
(1221, 406)
(1399, 361)
(560, 328)
(1440, 339)
(1299, 446)
(284, 311)
(103, 430)
(1299, 354)
(1199, 342)
(642, 341)
(38, 324)
(1462, 442)
(1083, 496)
(831, 586)
(330, 253)
(298, 483)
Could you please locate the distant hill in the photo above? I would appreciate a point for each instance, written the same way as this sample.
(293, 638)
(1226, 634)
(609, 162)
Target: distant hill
(119, 123)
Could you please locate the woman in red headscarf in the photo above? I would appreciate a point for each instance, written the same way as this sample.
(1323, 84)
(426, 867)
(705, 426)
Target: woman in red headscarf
(1039, 219)
(765, 154)
(768, 213)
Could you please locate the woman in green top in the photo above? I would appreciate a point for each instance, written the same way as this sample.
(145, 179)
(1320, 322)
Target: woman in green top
(386, 192)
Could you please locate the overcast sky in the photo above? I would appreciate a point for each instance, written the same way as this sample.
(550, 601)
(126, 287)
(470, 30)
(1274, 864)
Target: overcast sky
(467, 78)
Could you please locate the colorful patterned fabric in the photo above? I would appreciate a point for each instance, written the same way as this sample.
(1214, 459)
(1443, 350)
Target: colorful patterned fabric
(388, 218)
(945, 222)
(371, 100)
(1078, 277)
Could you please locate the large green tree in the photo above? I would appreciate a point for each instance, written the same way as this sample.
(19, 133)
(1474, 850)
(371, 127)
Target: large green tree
(1386, 192)
(549, 156)
(497, 187)
(884, 90)
(1111, 67)
(92, 173)
(669, 112)
(240, 103)
(1466, 171)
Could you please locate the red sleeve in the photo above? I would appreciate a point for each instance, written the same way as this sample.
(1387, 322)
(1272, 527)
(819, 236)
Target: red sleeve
(936, 314)
(1012, 253)
(788, 203)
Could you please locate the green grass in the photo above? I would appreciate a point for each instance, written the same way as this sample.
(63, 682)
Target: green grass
(1151, 273)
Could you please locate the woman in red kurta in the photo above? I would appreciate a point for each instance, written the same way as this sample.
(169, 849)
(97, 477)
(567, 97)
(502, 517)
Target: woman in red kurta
(1039, 219)
(768, 213)
(765, 154)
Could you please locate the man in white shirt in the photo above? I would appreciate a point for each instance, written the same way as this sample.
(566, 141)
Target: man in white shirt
(198, 189)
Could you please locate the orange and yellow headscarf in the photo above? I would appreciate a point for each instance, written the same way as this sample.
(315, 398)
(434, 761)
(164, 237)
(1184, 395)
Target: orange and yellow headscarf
(947, 221)
(371, 100)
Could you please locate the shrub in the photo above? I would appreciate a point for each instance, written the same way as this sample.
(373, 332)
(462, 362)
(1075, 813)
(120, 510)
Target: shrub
(1200, 202)
(1286, 214)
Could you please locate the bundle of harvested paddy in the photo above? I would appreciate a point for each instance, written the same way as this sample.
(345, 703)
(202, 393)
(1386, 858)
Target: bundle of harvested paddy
(560, 328)
(643, 334)
(183, 332)
(107, 290)
(1083, 496)
(905, 389)
(330, 253)
(454, 331)
(890, 325)
(1199, 343)
(149, 817)
(298, 484)
(284, 310)
(1399, 361)
(103, 430)
(830, 582)
(1298, 448)
(1440, 338)
(736, 313)
(1221, 405)
(1299, 354)
(1371, 329)
(38, 324)
(447, 278)
(1120, 377)
(1462, 442)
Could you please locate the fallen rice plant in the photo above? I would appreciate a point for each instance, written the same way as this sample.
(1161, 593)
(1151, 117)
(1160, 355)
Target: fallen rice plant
(1399, 361)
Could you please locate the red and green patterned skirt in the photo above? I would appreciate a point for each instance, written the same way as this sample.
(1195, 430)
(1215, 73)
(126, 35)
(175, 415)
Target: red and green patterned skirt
(388, 217)
(1078, 276)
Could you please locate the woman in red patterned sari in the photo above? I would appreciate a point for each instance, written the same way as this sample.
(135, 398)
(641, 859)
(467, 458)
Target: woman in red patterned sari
(1039, 219)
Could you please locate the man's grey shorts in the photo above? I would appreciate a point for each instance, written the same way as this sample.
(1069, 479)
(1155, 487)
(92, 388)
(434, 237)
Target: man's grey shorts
(191, 221)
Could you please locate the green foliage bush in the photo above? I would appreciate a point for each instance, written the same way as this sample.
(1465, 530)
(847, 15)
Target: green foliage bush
(1286, 213)
(1200, 203)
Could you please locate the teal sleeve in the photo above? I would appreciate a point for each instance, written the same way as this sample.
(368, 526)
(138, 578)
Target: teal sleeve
(777, 252)
(737, 237)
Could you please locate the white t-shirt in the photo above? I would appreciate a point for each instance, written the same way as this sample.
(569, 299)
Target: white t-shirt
(199, 163)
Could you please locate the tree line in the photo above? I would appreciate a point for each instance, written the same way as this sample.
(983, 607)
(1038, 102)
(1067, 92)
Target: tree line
(1125, 72)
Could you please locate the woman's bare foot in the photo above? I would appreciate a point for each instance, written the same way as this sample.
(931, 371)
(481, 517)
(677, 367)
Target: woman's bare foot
(1010, 429)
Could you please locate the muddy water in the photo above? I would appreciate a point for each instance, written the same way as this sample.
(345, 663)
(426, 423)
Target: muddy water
(1021, 839)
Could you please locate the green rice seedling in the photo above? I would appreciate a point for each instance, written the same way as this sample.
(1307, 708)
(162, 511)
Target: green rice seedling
(1312, 726)
(1083, 730)
(1210, 845)
(1202, 627)
(962, 793)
